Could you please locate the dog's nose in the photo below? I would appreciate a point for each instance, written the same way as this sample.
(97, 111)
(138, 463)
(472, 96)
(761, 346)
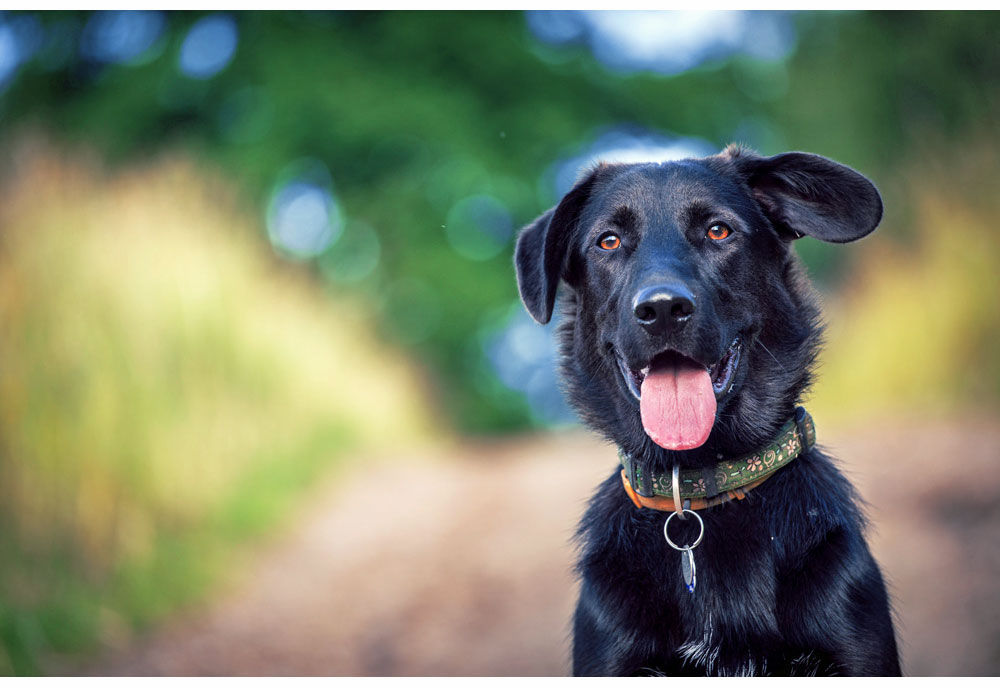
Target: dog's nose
(664, 307)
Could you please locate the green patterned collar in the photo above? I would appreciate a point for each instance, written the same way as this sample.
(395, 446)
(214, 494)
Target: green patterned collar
(798, 435)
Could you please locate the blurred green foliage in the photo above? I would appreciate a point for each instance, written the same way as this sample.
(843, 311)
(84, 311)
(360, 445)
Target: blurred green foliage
(414, 112)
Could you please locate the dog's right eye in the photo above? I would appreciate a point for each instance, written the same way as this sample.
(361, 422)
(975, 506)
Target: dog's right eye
(719, 231)
(609, 242)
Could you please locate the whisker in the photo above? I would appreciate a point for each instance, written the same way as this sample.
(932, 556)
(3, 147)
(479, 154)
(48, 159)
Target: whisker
(772, 355)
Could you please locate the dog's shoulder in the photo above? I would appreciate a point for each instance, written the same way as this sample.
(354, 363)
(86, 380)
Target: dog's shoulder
(609, 516)
(615, 538)
(810, 504)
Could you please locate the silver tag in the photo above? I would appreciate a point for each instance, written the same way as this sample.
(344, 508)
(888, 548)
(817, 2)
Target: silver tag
(687, 555)
(688, 569)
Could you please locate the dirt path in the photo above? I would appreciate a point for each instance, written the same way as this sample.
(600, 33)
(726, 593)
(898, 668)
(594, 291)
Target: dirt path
(451, 567)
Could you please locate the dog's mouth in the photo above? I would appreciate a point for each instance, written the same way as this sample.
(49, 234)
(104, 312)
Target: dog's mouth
(722, 373)
(678, 396)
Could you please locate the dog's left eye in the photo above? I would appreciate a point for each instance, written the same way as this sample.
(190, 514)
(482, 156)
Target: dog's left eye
(609, 242)
(717, 232)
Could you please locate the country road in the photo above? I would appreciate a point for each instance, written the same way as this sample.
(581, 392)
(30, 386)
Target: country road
(460, 563)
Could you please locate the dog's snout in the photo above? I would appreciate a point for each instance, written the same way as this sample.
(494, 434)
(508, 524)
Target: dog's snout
(664, 307)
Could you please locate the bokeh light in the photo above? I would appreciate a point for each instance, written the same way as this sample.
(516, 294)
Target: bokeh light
(478, 227)
(10, 55)
(20, 38)
(556, 26)
(122, 36)
(303, 219)
(620, 144)
(523, 355)
(208, 47)
(667, 42)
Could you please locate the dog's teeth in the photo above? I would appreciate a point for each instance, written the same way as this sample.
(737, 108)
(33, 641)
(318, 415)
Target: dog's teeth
(644, 371)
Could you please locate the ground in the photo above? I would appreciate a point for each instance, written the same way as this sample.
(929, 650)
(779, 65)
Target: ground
(460, 563)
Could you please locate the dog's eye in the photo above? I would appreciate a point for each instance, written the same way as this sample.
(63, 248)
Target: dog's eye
(609, 242)
(717, 232)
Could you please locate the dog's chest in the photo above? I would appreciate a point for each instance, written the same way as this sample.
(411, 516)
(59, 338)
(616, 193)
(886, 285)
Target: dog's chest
(730, 624)
(724, 626)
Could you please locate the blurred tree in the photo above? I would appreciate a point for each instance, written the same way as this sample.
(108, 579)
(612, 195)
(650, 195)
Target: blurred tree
(412, 114)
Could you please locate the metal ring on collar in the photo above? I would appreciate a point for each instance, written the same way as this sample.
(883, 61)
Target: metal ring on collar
(697, 541)
(675, 487)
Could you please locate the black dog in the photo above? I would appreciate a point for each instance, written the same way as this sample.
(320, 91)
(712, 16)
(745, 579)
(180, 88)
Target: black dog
(689, 334)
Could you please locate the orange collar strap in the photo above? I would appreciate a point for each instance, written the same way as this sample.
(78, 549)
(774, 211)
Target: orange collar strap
(666, 503)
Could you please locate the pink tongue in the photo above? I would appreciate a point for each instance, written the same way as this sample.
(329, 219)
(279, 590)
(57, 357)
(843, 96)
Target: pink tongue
(677, 404)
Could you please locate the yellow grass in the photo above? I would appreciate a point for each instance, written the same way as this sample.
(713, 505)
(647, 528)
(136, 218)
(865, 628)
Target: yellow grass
(916, 328)
(164, 378)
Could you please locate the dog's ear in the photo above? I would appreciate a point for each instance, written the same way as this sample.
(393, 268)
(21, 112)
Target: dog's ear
(805, 194)
(542, 247)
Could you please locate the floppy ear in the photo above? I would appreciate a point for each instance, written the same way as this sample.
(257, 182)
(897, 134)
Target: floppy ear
(542, 246)
(808, 194)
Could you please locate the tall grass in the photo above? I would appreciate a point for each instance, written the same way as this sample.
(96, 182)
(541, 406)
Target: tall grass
(167, 388)
(916, 327)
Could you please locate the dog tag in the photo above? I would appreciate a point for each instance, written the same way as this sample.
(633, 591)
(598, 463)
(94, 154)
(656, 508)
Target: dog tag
(687, 552)
(688, 569)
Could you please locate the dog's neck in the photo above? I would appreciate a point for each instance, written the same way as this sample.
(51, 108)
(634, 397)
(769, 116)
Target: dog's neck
(727, 479)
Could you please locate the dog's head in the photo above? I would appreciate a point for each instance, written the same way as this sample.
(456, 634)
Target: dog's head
(689, 325)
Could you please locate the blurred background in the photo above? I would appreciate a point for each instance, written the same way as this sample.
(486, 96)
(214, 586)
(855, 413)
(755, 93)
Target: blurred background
(269, 403)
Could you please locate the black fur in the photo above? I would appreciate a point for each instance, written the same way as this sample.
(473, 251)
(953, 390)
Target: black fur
(786, 583)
